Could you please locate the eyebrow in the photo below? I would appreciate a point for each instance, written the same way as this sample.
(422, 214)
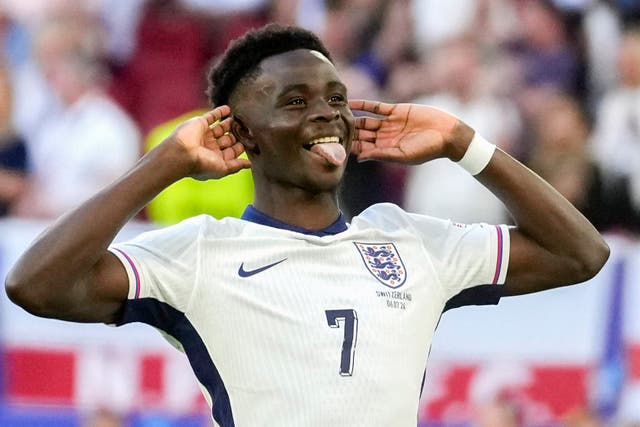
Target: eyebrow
(302, 87)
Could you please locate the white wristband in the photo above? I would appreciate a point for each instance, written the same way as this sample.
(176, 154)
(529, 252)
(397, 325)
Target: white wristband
(478, 155)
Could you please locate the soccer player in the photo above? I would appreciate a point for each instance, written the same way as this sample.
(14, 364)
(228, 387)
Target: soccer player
(290, 316)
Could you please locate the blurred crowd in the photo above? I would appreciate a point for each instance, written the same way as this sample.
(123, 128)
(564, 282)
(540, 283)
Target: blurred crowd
(83, 85)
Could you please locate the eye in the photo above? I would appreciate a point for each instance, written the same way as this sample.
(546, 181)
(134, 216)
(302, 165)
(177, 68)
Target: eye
(296, 101)
(336, 98)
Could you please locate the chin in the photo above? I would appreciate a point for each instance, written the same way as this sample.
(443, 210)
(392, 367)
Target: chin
(328, 182)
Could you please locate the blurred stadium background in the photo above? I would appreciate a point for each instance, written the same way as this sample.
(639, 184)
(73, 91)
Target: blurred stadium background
(86, 87)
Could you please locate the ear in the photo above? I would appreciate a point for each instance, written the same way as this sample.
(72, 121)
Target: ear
(243, 134)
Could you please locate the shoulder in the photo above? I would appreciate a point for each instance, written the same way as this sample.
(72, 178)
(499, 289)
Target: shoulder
(186, 230)
(391, 215)
(435, 233)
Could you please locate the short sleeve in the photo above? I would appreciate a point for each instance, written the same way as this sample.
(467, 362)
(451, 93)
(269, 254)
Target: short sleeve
(162, 264)
(466, 258)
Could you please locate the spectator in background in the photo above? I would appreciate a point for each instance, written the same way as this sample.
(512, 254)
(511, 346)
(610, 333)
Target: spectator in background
(438, 21)
(193, 31)
(561, 156)
(32, 99)
(13, 152)
(547, 58)
(164, 76)
(616, 142)
(80, 149)
(545, 50)
(602, 29)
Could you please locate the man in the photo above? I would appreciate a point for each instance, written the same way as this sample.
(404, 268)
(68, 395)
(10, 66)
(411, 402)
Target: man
(64, 167)
(290, 316)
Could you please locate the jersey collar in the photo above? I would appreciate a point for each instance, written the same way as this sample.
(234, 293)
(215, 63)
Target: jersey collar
(254, 215)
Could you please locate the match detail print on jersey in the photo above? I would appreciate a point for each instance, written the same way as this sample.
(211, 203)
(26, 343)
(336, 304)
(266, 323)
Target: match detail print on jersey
(383, 262)
(248, 273)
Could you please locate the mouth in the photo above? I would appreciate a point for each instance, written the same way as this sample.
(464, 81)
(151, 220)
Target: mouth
(329, 148)
(323, 140)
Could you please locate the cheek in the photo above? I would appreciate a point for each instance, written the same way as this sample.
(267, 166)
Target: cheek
(275, 141)
(282, 131)
(280, 121)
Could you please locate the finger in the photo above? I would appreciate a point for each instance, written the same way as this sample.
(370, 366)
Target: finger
(237, 148)
(226, 140)
(221, 128)
(375, 107)
(233, 151)
(380, 153)
(366, 135)
(216, 114)
(368, 123)
(359, 147)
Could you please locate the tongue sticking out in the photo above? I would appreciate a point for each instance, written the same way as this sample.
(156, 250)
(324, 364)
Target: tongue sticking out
(332, 152)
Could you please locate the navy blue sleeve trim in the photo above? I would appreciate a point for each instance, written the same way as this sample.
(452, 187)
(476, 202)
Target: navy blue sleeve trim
(477, 295)
(174, 322)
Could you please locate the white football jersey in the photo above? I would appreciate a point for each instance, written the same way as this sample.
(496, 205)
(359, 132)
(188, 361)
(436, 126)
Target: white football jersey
(292, 328)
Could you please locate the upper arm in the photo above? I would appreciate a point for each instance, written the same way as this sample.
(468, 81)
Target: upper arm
(533, 268)
(96, 294)
(160, 265)
(463, 256)
(100, 295)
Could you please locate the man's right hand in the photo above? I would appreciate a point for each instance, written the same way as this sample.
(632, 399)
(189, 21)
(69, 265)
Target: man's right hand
(212, 150)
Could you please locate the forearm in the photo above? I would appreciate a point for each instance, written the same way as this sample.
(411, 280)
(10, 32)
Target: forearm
(69, 249)
(549, 229)
(540, 212)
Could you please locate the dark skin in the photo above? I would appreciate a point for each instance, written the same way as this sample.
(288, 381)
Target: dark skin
(297, 97)
(67, 273)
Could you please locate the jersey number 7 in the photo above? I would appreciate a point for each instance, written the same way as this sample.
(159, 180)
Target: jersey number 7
(348, 318)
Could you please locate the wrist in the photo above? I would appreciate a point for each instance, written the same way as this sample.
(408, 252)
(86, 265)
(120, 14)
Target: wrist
(478, 155)
(458, 140)
(171, 160)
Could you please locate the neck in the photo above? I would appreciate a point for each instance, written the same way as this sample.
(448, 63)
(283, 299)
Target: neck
(313, 211)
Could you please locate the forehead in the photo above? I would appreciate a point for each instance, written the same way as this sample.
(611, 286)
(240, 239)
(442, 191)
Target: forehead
(301, 66)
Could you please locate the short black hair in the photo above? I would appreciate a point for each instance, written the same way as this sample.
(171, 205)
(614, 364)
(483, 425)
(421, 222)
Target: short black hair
(243, 56)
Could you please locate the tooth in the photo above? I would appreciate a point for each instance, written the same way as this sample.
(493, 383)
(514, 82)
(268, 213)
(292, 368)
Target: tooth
(324, 139)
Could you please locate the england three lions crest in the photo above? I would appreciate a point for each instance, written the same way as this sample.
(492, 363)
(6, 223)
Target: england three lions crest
(384, 262)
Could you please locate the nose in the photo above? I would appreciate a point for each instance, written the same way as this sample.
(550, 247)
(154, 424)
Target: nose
(322, 111)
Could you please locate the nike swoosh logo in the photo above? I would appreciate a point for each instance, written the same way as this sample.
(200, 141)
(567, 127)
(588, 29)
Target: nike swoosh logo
(248, 273)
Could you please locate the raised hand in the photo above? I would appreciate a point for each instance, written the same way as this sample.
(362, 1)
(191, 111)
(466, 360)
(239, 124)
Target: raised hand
(407, 133)
(212, 149)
